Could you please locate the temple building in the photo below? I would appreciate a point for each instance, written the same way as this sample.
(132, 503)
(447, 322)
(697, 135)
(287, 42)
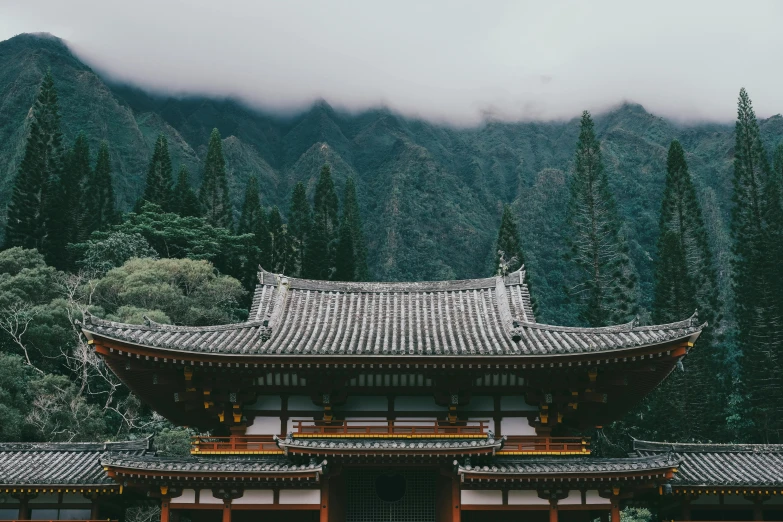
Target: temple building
(369, 402)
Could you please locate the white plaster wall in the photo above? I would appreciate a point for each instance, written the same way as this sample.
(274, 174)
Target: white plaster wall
(487, 422)
(480, 403)
(592, 497)
(493, 497)
(205, 496)
(574, 498)
(300, 496)
(264, 426)
(302, 402)
(256, 496)
(188, 497)
(515, 403)
(424, 403)
(525, 497)
(365, 403)
(516, 426)
(415, 421)
(266, 402)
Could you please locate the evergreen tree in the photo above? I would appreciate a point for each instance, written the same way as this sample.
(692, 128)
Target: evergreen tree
(253, 220)
(299, 224)
(345, 256)
(605, 289)
(756, 227)
(39, 172)
(157, 186)
(353, 221)
(185, 202)
(321, 243)
(279, 247)
(100, 197)
(509, 243)
(213, 194)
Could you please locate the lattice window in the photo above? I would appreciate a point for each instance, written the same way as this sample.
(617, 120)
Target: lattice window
(364, 505)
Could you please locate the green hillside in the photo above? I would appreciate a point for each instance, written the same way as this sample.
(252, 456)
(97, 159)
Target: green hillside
(431, 195)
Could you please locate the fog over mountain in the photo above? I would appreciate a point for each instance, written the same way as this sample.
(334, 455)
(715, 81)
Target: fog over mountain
(452, 62)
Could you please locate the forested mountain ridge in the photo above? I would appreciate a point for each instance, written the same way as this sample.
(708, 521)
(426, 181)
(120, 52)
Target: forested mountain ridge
(431, 196)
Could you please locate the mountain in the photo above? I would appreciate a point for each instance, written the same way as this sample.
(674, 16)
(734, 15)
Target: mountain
(430, 195)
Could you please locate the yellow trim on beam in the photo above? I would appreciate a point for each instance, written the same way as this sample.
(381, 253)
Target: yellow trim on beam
(236, 452)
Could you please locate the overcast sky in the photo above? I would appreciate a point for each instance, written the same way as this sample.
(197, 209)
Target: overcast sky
(451, 61)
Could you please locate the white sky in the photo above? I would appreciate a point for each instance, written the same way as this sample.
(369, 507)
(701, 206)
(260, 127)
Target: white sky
(449, 61)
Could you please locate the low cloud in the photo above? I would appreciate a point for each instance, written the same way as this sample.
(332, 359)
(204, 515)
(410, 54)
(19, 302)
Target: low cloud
(449, 61)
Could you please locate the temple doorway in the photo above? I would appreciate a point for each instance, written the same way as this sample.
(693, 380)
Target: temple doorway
(390, 495)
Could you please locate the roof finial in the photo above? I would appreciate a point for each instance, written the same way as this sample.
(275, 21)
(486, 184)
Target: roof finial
(503, 264)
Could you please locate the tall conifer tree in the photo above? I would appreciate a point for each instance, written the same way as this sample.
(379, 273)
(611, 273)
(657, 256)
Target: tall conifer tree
(184, 201)
(39, 172)
(606, 286)
(510, 244)
(352, 222)
(213, 195)
(100, 207)
(253, 220)
(299, 224)
(321, 243)
(345, 255)
(279, 248)
(755, 228)
(157, 186)
(689, 404)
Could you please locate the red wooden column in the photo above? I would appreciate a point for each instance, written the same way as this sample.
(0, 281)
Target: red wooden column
(456, 513)
(324, 500)
(615, 508)
(164, 508)
(227, 510)
(758, 512)
(553, 510)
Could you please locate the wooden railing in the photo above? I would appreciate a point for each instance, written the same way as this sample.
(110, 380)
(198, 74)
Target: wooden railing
(553, 445)
(28, 520)
(259, 444)
(373, 428)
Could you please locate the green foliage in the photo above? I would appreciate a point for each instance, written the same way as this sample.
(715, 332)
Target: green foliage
(187, 291)
(14, 397)
(757, 229)
(508, 243)
(110, 250)
(352, 224)
(605, 288)
(99, 204)
(321, 243)
(173, 442)
(60, 413)
(157, 185)
(299, 224)
(213, 195)
(345, 256)
(184, 200)
(279, 244)
(29, 213)
(253, 220)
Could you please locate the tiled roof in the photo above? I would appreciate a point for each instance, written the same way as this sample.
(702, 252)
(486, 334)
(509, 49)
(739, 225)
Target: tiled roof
(534, 467)
(201, 466)
(51, 463)
(490, 316)
(435, 446)
(721, 464)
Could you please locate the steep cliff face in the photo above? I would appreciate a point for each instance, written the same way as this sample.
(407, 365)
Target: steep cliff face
(431, 195)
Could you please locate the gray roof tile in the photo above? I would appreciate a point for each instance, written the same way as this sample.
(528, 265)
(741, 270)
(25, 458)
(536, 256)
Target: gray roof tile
(200, 465)
(535, 467)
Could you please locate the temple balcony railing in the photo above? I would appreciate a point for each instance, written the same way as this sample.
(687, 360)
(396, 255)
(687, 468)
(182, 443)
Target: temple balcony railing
(400, 428)
(533, 445)
(234, 445)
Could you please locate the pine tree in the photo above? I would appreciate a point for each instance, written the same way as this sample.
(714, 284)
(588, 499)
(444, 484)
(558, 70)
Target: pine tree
(353, 220)
(100, 195)
(279, 248)
(509, 243)
(299, 224)
(213, 195)
(345, 256)
(321, 243)
(253, 220)
(157, 186)
(67, 214)
(605, 290)
(39, 172)
(184, 201)
(756, 228)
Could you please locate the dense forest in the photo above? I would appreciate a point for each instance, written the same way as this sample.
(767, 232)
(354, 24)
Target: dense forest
(111, 210)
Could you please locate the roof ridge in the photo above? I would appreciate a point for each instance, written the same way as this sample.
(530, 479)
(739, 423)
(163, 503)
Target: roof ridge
(126, 445)
(630, 326)
(379, 286)
(90, 319)
(697, 447)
